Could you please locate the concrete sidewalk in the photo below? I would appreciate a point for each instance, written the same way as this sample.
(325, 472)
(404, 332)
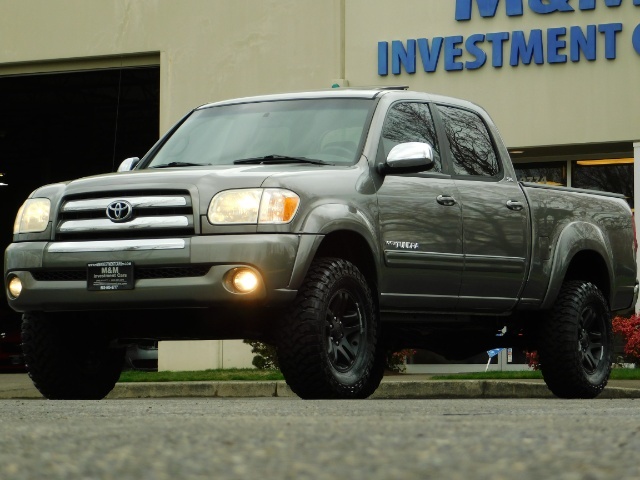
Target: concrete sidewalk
(19, 386)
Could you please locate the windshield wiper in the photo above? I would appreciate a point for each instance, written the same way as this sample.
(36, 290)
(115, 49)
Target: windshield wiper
(180, 164)
(273, 159)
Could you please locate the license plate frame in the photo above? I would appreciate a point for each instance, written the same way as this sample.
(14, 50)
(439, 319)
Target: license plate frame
(110, 276)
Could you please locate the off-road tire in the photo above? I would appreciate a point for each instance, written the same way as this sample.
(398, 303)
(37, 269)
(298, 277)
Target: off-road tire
(69, 360)
(575, 342)
(328, 341)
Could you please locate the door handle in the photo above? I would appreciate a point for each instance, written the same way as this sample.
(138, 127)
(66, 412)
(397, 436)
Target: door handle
(446, 200)
(514, 205)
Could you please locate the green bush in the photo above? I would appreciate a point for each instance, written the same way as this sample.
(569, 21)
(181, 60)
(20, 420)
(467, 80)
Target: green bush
(266, 357)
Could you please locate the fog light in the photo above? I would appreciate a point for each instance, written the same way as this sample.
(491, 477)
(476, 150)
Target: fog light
(15, 287)
(243, 280)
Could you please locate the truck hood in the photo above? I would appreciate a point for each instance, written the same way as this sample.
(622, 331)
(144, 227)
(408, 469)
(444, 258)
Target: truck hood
(215, 177)
(250, 175)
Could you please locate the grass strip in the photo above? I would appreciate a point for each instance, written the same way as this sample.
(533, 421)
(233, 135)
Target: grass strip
(253, 375)
(517, 375)
(616, 374)
(235, 374)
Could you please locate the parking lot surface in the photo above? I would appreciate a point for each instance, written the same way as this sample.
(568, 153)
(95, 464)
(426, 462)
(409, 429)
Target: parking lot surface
(291, 438)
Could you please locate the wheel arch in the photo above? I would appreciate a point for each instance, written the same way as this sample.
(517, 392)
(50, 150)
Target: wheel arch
(352, 246)
(340, 231)
(581, 254)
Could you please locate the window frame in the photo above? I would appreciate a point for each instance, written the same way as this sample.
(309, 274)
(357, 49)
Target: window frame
(444, 157)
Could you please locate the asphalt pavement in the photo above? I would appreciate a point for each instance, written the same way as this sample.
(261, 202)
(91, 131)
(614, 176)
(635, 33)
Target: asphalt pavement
(289, 439)
(407, 386)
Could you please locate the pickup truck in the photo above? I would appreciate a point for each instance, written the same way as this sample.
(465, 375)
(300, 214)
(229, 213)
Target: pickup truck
(335, 225)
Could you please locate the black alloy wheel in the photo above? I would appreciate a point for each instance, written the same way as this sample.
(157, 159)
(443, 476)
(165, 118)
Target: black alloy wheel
(575, 342)
(328, 341)
(344, 329)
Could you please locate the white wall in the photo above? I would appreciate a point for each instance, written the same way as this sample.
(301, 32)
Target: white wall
(203, 355)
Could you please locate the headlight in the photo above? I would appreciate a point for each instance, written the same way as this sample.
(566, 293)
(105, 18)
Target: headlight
(253, 205)
(33, 216)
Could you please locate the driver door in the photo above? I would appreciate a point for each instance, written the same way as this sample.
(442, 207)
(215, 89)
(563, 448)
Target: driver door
(420, 221)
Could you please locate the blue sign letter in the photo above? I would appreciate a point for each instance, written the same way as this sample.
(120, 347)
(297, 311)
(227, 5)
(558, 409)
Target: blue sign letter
(476, 51)
(497, 41)
(520, 49)
(383, 58)
(554, 43)
(578, 43)
(400, 56)
(550, 6)
(431, 55)
(610, 30)
(636, 39)
(487, 8)
(451, 52)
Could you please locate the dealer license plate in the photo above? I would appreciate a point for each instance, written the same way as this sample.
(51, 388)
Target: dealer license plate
(110, 276)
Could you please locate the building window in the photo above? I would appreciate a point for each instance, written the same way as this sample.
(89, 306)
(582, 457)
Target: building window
(614, 175)
(548, 173)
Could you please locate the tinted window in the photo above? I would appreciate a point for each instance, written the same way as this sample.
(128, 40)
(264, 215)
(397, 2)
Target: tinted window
(469, 142)
(410, 122)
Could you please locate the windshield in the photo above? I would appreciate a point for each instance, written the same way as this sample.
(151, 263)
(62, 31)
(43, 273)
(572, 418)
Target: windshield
(306, 131)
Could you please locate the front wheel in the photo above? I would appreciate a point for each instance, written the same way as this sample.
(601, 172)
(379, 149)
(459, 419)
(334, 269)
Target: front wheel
(69, 359)
(575, 342)
(328, 340)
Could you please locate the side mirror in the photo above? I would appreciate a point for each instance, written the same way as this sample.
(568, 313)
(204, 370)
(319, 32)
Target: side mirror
(410, 157)
(128, 164)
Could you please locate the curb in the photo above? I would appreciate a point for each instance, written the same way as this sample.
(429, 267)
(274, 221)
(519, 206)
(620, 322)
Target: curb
(431, 389)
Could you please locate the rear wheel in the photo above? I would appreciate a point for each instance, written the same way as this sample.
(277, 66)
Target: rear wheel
(68, 359)
(575, 342)
(328, 341)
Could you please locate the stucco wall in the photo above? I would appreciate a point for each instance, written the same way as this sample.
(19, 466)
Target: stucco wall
(533, 105)
(209, 49)
(216, 49)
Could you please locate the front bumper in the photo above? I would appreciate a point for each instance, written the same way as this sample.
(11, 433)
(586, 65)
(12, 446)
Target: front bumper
(51, 272)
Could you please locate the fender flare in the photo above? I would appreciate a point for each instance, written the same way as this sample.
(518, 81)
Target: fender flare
(324, 220)
(576, 237)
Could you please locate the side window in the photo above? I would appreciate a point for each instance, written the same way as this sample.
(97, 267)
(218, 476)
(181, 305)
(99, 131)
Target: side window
(410, 122)
(469, 142)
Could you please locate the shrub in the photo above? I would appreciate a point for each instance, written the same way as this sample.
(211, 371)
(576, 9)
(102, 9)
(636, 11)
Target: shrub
(629, 330)
(266, 357)
(396, 361)
(532, 359)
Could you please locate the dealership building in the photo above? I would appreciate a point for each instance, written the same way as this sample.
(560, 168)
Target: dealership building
(85, 84)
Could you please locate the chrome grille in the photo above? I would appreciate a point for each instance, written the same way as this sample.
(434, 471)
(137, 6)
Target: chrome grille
(155, 215)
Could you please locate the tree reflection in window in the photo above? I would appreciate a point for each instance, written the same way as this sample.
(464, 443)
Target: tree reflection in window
(410, 122)
(605, 178)
(470, 143)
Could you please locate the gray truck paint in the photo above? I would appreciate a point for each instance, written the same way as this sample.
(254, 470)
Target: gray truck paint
(476, 255)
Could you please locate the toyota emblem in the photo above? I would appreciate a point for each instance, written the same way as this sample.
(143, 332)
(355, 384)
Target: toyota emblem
(120, 211)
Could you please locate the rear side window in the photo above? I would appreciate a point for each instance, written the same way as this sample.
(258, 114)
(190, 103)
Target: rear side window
(410, 122)
(470, 144)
